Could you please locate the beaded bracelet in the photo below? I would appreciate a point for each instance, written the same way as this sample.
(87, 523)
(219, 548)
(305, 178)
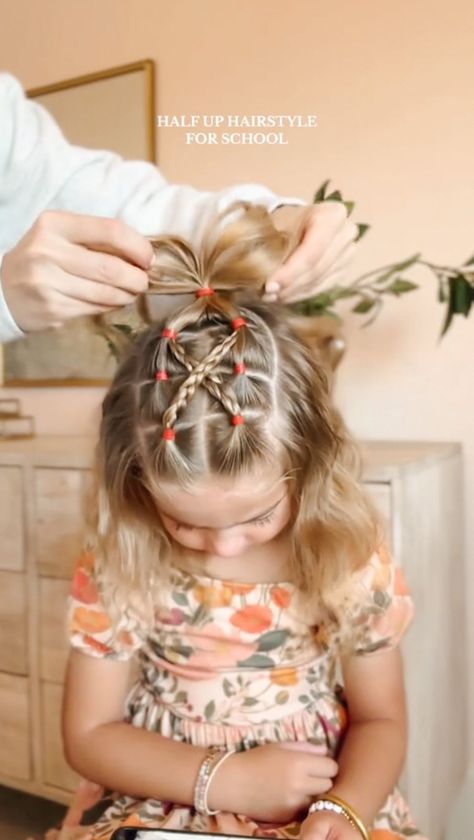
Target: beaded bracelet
(214, 758)
(338, 806)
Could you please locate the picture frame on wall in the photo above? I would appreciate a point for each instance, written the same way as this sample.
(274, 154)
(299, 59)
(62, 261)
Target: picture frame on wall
(113, 110)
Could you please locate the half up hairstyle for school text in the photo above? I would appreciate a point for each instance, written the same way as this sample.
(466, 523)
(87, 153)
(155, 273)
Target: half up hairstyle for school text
(221, 386)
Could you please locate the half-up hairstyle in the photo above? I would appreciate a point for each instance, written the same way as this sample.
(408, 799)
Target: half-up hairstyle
(223, 386)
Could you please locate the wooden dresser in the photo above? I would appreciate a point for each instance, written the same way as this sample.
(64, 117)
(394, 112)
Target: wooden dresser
(418, 487)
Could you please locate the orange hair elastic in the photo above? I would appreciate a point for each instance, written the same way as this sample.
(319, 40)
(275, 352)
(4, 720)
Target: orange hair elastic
(206, 291)
(161, 375)
(238, 322)
(168, 434)
(167, 332)
(239, 367)
(237, 420)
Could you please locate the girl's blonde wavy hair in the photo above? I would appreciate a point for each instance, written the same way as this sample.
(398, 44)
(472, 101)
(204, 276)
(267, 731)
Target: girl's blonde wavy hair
(185, 381)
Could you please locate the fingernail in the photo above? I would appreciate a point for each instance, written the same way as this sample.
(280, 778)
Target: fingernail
(272, 287)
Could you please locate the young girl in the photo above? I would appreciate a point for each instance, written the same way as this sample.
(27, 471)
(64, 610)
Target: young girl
(235, 553)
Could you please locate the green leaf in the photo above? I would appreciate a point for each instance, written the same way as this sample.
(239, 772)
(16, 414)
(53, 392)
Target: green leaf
(272, 639)
(448, 319)
(364, 305)
(362, 231)
(180, 598)
(303, 698)
(381, 598)
(399, 286)
(209, 710)
(282, 697)
(181, 697)
(250, 701)
(461, 294)
(227, 686)
(321, 192)
(126, 329)
(470, 261)
(256, 661)
(442, 290)
(406, 263)
(349, 205)
(335, 196)
(183, 650)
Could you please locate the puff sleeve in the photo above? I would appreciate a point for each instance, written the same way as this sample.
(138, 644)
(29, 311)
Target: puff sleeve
(89, 627)
(386, 608)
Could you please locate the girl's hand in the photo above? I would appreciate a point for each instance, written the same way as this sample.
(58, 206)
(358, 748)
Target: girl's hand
(273, 782)
(327, 826)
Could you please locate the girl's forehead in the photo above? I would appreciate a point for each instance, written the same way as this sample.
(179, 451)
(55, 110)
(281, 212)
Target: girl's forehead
(255, 484)
(239, 497)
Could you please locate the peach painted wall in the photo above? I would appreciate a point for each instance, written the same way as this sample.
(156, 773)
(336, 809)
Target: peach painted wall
(391, 84)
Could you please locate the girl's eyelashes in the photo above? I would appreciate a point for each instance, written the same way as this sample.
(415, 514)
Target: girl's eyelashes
(264, 519)
(259, 522)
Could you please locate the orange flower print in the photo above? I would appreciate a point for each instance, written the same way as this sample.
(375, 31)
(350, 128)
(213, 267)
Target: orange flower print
(213, 596)
(240, 588)
(125, 638)
(383, 834)
(90, 642)
(253, 619)
(284, 676)
(401, 587)
(89, 621)
(86, 561)
(83, 588)
(281, 597)
(343, 718)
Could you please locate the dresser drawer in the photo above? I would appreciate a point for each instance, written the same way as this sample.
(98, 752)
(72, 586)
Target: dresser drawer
(13, 629)
(11, 519)
(54, 644)
(14, 727)
(55, 770)
(59, 519)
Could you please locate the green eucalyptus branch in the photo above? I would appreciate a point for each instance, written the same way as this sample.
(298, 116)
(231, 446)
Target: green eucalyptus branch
(455, 285)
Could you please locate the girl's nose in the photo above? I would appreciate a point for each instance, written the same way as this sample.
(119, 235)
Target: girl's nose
(225, 545)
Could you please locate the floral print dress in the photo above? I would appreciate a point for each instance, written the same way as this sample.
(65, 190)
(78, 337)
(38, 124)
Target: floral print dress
(233, 664)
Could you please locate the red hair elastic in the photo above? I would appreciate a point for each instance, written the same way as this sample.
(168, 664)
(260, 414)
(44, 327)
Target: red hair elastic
(239, 367)
(167, 332)
(168, 434)
(238, 322)
(161, 375)
(206, 291)
(237, 420)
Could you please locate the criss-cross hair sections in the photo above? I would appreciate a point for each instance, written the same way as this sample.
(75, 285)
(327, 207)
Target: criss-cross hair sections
(201, 372)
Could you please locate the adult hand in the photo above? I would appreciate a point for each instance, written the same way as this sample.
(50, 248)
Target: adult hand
(326, 245)
(293, 778)
(69, 265)
(327, 826)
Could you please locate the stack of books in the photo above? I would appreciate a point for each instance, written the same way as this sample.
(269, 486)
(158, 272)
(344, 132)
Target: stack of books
(13, 424)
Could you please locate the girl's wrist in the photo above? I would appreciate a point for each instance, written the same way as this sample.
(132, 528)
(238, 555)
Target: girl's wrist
(333, 803)
(226, 788)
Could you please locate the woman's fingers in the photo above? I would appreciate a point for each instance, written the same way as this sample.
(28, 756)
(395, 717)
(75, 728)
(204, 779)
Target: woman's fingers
(112, 236)
(109, 274)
